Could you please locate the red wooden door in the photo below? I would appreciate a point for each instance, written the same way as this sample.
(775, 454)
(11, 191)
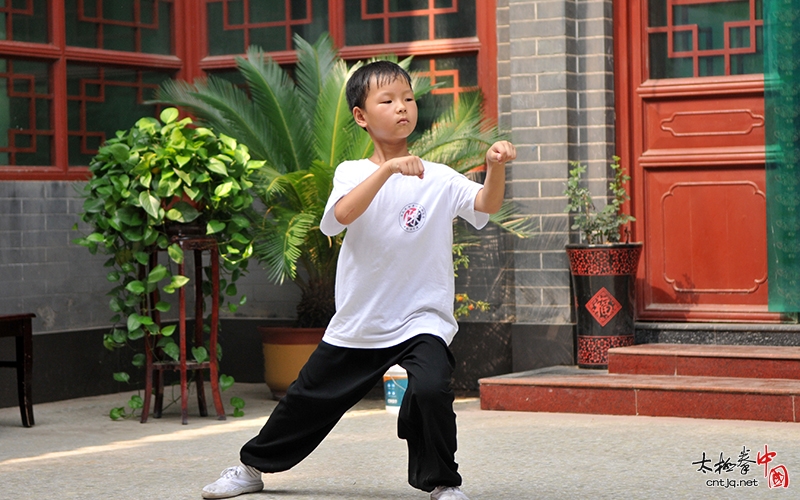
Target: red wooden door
(690, 114)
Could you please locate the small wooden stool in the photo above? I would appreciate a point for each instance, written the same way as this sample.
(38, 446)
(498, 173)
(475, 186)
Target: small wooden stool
(19, 326)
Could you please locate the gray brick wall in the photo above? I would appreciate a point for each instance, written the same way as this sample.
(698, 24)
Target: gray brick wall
(555, 72)
(555, 67)
(43, 272)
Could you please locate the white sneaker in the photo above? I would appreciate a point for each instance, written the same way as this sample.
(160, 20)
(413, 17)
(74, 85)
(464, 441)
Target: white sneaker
(234, 481)
(448, 493)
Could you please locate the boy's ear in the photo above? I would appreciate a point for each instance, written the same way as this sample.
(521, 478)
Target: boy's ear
(358, 115)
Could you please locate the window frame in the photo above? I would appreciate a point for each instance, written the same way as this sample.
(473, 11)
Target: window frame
(190, 61)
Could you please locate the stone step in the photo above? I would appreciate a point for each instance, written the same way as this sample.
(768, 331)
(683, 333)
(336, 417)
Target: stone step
(738, 361)
(573, 390)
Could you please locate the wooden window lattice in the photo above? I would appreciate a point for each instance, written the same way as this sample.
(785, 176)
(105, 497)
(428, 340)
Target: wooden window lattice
(247, 24)
(24, 135)
(10, 12)
(22, 11)
(450, 78)
(55, 128)
(673, 28)
(386, 15)
(142, 17)
(92, 89)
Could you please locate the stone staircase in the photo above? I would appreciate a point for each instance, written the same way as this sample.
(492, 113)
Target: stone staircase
(674, 380)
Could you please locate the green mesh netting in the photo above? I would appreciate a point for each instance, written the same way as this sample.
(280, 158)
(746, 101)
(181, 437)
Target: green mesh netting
(782, 101)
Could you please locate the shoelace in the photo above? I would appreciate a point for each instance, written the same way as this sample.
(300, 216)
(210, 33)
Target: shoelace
(231, 472)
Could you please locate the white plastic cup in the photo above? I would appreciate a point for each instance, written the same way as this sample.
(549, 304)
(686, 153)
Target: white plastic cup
(395, 382)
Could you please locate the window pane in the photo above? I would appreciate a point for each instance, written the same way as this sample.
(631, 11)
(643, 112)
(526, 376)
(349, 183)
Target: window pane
(235, 25)
(456, 74)
(711, 20)
(746, 64)
(458, 24)
(713, 38)
(25, 109)
(23, 21)
(127, 25)
(667, 67)
(102, 100)
(369, 22)
(232, 75)
(360, 30)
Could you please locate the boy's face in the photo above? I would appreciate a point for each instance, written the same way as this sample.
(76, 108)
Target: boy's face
(390, 111)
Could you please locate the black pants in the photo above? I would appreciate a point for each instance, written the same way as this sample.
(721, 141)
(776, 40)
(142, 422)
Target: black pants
(336, 378)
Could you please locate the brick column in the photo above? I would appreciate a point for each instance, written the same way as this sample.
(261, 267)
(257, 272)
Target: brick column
(555, 67)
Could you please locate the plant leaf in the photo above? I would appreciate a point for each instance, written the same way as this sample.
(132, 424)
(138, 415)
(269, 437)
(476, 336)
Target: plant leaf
(178, 281)
(214, 226)
(138, 360)
(175, 253)
(135, 286)
(225, 382)
(163, 306)
(149, 203)
(172, 350)
(117, 413)
(135, 334)
(136, 402)
(169, 115)
(216, 166)
(200, 354)
(157, 274)
(133, 322)
(223, 189)
(183, 212)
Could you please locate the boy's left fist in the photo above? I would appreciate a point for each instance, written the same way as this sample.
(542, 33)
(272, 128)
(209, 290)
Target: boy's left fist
(500, 153)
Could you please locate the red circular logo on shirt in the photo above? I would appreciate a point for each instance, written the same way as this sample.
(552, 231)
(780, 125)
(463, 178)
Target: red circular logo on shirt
(412, 217)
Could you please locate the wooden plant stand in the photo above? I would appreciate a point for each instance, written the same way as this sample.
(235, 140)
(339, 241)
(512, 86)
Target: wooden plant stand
(155, 367)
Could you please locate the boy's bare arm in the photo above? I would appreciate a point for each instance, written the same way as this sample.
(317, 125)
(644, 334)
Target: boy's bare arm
(353, 204)
(490, 198)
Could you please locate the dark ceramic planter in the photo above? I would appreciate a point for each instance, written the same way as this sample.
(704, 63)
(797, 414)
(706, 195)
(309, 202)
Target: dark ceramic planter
(603, 283)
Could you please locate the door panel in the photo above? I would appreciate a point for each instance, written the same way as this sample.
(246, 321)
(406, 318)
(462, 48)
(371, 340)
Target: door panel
(706, 247)
(690, 108)
(676, 125)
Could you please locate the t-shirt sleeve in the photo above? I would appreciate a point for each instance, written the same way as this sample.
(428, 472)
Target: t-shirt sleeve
(465, 192)
(343, 183)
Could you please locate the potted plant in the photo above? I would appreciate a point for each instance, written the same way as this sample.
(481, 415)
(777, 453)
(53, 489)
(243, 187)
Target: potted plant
(156, 178)
(603, 268)
(303, 129)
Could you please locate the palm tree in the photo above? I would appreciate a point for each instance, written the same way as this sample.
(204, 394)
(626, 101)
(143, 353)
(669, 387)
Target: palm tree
(302, 128)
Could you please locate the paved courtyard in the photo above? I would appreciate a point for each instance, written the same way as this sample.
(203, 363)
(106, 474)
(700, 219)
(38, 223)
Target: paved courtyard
(76, 452)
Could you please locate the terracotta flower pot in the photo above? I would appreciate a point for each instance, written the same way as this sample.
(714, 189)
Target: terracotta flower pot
(286, 350)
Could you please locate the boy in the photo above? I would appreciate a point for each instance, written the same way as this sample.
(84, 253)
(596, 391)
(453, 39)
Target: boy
(394, 296)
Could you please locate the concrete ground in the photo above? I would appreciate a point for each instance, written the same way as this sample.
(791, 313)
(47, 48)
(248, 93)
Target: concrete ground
(76, 451)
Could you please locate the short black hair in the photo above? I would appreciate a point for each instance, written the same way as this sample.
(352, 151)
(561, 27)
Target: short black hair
(383, 71)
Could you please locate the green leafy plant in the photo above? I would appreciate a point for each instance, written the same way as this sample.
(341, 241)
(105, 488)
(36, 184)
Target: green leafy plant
(604, 226)
(157, 175)
(303, 129)
(464, 304)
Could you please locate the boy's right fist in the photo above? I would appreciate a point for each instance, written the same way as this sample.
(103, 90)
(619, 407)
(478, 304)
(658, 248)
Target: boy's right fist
(406, 165)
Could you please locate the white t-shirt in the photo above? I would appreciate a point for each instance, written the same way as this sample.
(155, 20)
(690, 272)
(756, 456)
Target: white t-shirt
(394, 278)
